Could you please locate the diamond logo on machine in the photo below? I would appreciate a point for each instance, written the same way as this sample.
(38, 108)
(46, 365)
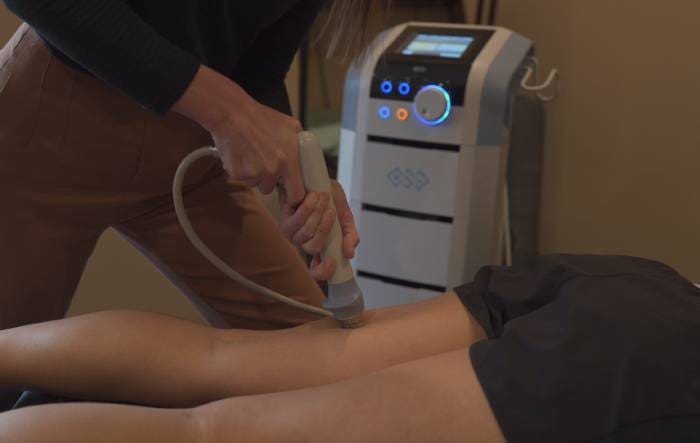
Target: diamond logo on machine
(408, 179)
(395, 177)
(421, 180)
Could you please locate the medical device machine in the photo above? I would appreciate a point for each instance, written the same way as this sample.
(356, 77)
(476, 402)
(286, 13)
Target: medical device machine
(345, 301)
(426, 120)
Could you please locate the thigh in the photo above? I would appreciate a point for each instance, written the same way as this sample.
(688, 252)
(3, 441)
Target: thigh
(56, 198)
(436, 399)
(62, 128)
(232, 221)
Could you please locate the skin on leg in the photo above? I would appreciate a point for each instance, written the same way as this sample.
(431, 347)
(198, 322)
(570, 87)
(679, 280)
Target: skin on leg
(156, 360)
(104, 423)
(232, 221)
(320, 352)
(436, 399)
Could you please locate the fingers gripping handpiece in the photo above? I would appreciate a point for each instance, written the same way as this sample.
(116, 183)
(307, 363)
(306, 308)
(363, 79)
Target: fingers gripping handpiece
(345, 301)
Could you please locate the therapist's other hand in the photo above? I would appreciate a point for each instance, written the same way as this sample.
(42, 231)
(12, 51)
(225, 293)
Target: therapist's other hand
(309, 225)
(258, 145)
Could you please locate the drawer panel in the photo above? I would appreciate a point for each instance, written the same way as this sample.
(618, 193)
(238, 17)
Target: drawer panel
(404, 248)
(412, 179)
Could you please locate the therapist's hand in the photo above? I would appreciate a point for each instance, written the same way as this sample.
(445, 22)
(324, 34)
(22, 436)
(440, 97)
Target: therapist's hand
(258, 145)
(309, 225)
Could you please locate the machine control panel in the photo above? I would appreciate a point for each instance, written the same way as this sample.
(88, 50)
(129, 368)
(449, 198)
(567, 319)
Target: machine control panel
(428, 69)
(432, 105)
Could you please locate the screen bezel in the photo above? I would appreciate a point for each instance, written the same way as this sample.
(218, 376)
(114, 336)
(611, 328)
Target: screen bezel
(394, 52)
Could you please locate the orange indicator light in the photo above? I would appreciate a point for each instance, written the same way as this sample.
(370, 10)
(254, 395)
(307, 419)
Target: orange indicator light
(402, 114)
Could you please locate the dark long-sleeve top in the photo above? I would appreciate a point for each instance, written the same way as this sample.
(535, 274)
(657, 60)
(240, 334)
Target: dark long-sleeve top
(152, 49)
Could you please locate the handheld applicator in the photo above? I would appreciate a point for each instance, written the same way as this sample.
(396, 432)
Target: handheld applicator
(345, 301)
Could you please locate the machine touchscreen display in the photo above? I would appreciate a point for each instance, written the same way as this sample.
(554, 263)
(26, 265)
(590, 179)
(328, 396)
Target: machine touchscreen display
(436, 45)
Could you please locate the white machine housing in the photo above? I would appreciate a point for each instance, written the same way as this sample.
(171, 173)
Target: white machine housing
(423, 151)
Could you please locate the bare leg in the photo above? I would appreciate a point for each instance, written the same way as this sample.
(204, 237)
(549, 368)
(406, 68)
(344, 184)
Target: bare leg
(156, 360)
(436, 399)
(103, 423)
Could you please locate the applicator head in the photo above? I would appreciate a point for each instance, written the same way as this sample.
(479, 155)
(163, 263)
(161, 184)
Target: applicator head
(346, 303)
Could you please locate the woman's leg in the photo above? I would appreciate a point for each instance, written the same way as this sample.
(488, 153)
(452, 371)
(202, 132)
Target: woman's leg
(156, 360)
(436, 399)
(104, 423)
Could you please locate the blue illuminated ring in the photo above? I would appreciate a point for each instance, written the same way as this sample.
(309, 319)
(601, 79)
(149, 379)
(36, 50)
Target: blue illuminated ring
(385, 112)
(387, 86)
(448, 108)
(404, 88)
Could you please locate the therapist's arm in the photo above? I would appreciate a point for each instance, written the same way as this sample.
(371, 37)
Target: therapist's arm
(106, 37)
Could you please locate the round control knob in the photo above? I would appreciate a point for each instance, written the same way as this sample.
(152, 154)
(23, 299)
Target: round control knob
(432, 105)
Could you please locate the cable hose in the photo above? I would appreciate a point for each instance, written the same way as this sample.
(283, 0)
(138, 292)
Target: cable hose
(209, 254)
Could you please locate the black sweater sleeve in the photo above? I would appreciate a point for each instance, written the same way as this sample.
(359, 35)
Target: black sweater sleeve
(108, 39)
(263, 68)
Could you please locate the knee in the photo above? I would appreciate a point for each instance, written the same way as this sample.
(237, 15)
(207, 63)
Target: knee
(249, 418)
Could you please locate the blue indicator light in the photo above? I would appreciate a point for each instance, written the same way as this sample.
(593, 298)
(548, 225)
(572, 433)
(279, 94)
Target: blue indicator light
(404, 88)
(448, 107)
(385, 113)
(387, 86)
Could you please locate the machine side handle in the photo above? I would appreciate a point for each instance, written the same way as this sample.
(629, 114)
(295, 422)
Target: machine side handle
(316, 178)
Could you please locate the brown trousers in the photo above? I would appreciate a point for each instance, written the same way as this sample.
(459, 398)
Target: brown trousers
(78, 157)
